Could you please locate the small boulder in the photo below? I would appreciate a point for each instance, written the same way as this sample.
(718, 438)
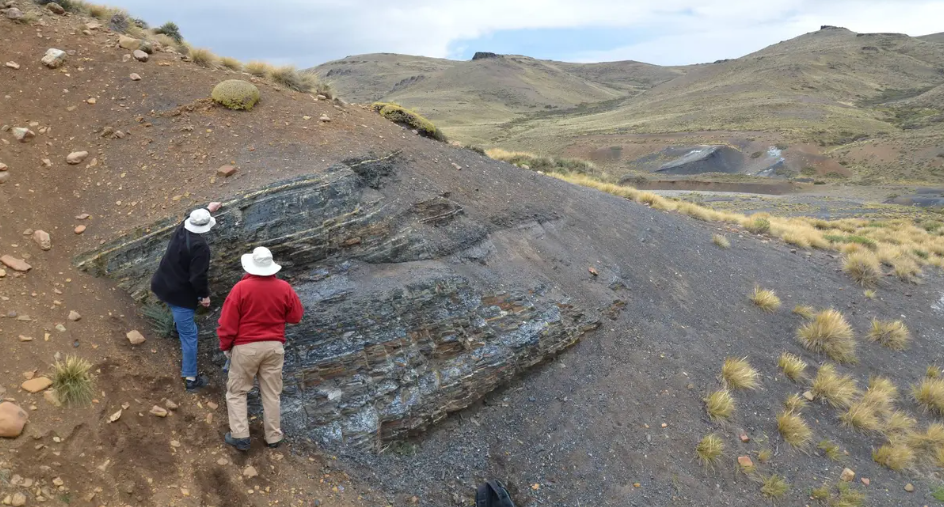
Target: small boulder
(14, 14)
(55, 8)
(325, 118)
(140, 56)
(135, 77)
(77, 157)
(745, 462)
(158, 411)
(249, 472)
(36, 385)
(170, 404)
(23, 134)
(18, 500)
(226, 171)
(74, 316)
(909, 487)
(847, 475)
(15, 264)
(3, 167)
(236, 94)
(12, 420)
(54, 58)
(147, 47)
(79, 229)
(129, 43)
(42, 239)
(135, 337)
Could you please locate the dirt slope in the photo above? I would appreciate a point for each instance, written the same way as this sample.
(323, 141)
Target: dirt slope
(581, 430)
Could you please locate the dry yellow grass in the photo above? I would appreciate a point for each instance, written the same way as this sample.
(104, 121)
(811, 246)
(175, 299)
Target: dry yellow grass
(721, 241)
(862, 417)
(863, 267)
(709, 450)
(838, 390)
(203, 57)
(895, 457)
(898, 423)
(869, 294)
(231, 63)
(807, 312)
(881, 394)
(792, 366)
(932, 372)
(830, 449)
(794, 403)
(765, 299)
(926, 443)
(829, 333)
(775, 486)
(719, 405)
(258, 69)
(794, 429)
(891, 334)
(739, 374)
(906, 269)
(930, 394)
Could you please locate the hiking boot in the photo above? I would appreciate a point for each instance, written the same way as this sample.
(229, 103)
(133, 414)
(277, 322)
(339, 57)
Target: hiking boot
(195, 385)
(274, 445)
(241, 444)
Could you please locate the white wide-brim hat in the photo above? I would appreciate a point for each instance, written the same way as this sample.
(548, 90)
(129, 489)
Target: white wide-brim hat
(200, 221)
(260, 262)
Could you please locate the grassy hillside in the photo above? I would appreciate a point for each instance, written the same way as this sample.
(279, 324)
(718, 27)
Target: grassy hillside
(934, 37)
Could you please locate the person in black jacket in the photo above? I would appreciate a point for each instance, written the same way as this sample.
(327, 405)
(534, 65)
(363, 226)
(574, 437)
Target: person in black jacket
(181, 282)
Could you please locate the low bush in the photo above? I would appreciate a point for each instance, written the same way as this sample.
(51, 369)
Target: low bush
(758, 226)
(171, 30)
(793, 367)
(794, 403)
(836, 389)
(410, 119)
(805, 311)
(543, 164)
(721, 241)
(258, 69)
(930, 394)
(775, 487)
(891, 334)
(895, 457)
(765, 299)
(709, 450)
(203, 57)
(719, 404)
(231, 63)
(739, 374)
(72, 381)
(863, 267)
(290, 77)
(794, 429)
(829, 333)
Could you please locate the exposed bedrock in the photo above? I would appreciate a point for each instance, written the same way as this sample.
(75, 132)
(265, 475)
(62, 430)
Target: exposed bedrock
(405, 319)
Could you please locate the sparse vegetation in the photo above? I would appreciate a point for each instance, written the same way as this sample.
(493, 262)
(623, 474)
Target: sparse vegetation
(807, 312)
(719, 405)
(869, 294)
(895, 457)
(160, 319)
(409, 119)
(862, 417)
(231, 63)
(794, 403)
(775, 487)
(72, 381)
(848, 496)
(764, 455)
(203, 57)
(721, 241)
(830, 449)
(559, 165)
(709, 450)
(171, 30)
(821, 493)
(290, 77)
(926, 443)
(930, 394)
(792, 366)
(891, 334)
(933, 371)
(739, 374)
(829, 333)
(898, 423)
(838, 390)
(758, 226)
(765, 299)
(794, 429)
(258, 69)
(863, 267)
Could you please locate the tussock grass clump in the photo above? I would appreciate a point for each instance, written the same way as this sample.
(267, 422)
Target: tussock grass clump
(203, 57)
(830, 449)
(881, 394)
(764, 455)
(758, 226)
(821, 493)
(895, 457)
(721, 241)
(830, 334)
(869, 294)
(793, 367)
(409, 119)
(709, 450)
(838, 390)
(72, 381)
(258, 69)
(807, 312)
(891, 334)
(933, 371)
(897, 423)
(231, 63)
(765, 299)
(848, 497)
(290, 77)
(794, 403)
(739, 374)
(101, 12)
(719, 404)
(567, 166)
(794, 429)
(863, 267)
(775, 486)
(930, 395)
(862, 416)
(906, 269)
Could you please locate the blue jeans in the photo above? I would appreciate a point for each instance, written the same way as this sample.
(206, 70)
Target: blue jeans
(187, 329)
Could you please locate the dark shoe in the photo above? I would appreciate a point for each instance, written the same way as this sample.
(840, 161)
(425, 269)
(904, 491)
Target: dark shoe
(274, 445)
(241, 444)
(195, 385)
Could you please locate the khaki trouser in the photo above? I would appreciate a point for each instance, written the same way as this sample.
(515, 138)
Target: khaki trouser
(262, 360)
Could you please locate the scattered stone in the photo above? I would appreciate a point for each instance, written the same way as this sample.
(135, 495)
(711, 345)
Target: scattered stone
(93, 25)
(125, 58)
(83, 216)
(170, 404)
(158, 411)
(174, 443)
(236, 94)
(129, 43)
(58, 482)
(212, 406)
(36, 385)
(52, 397)
(745, 438)
(12, 420)
(865, 480)
(847, 475)
(13, 65)
(222, 462)
(136, 338)
(114, 417)
(322, 97)
(3, 273)
(54, 58)
(26, 338)
(74, 316)
(325, 118)
(77, 157)
(135, 77)
(23, 134)
(14, 14)
(4, 177)
(18, 500)
(140, 56)
(15, 264)
(593, 271)
(91, 100)
(250, 472)
(909, 487)
(745, 462)
(226, 171)
(55, 8)
(42, 239)
(80, 229)
(808, 395)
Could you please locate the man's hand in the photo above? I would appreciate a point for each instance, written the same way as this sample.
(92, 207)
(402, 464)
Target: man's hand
(228, 354)
(205, 302)
(213, 207)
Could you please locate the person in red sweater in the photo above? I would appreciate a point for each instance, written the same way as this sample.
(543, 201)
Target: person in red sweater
(252, 336)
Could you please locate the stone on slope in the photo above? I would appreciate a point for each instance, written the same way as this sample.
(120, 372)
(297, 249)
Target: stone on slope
(129, 43)
(55, 8)
(14, 14)
(15, 264)
(135, 77)
(36, 385)
(18, 500)
(74, 316)
(54, 58)
(140, 56)
(135, 337)
(847, 475)
(158, 411)
(226, 171)
(13, 65)
(12, 420)
(77, 157)
(79, 229)
(52, 398)
(3, 167)
(42, 239)
(236, 94)
(4, 177)
(23, 134)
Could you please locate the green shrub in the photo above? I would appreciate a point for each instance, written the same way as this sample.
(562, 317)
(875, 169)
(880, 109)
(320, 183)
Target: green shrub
(171, 30)
(160, 319)
(410, 119)
(236, 94)
(861, 240)
(758, 226)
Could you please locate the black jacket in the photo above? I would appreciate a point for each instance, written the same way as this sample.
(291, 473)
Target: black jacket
(181, 278)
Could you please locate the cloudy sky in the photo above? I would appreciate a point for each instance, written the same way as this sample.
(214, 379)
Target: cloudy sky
(667, 32)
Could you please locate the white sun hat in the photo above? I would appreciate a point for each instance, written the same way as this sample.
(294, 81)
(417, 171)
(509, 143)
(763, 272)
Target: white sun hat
(260, 262)
(200, 221)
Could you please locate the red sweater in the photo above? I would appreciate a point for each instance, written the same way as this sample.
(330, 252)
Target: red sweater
(256, 310)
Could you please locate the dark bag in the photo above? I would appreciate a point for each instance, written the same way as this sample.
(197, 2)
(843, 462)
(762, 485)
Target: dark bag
(493, 494)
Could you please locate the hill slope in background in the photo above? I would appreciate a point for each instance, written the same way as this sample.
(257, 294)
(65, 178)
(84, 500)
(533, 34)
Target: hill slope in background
(934, 37)
(835, 95)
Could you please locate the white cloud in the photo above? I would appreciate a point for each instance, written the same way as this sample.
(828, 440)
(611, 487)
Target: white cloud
(307, 32)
